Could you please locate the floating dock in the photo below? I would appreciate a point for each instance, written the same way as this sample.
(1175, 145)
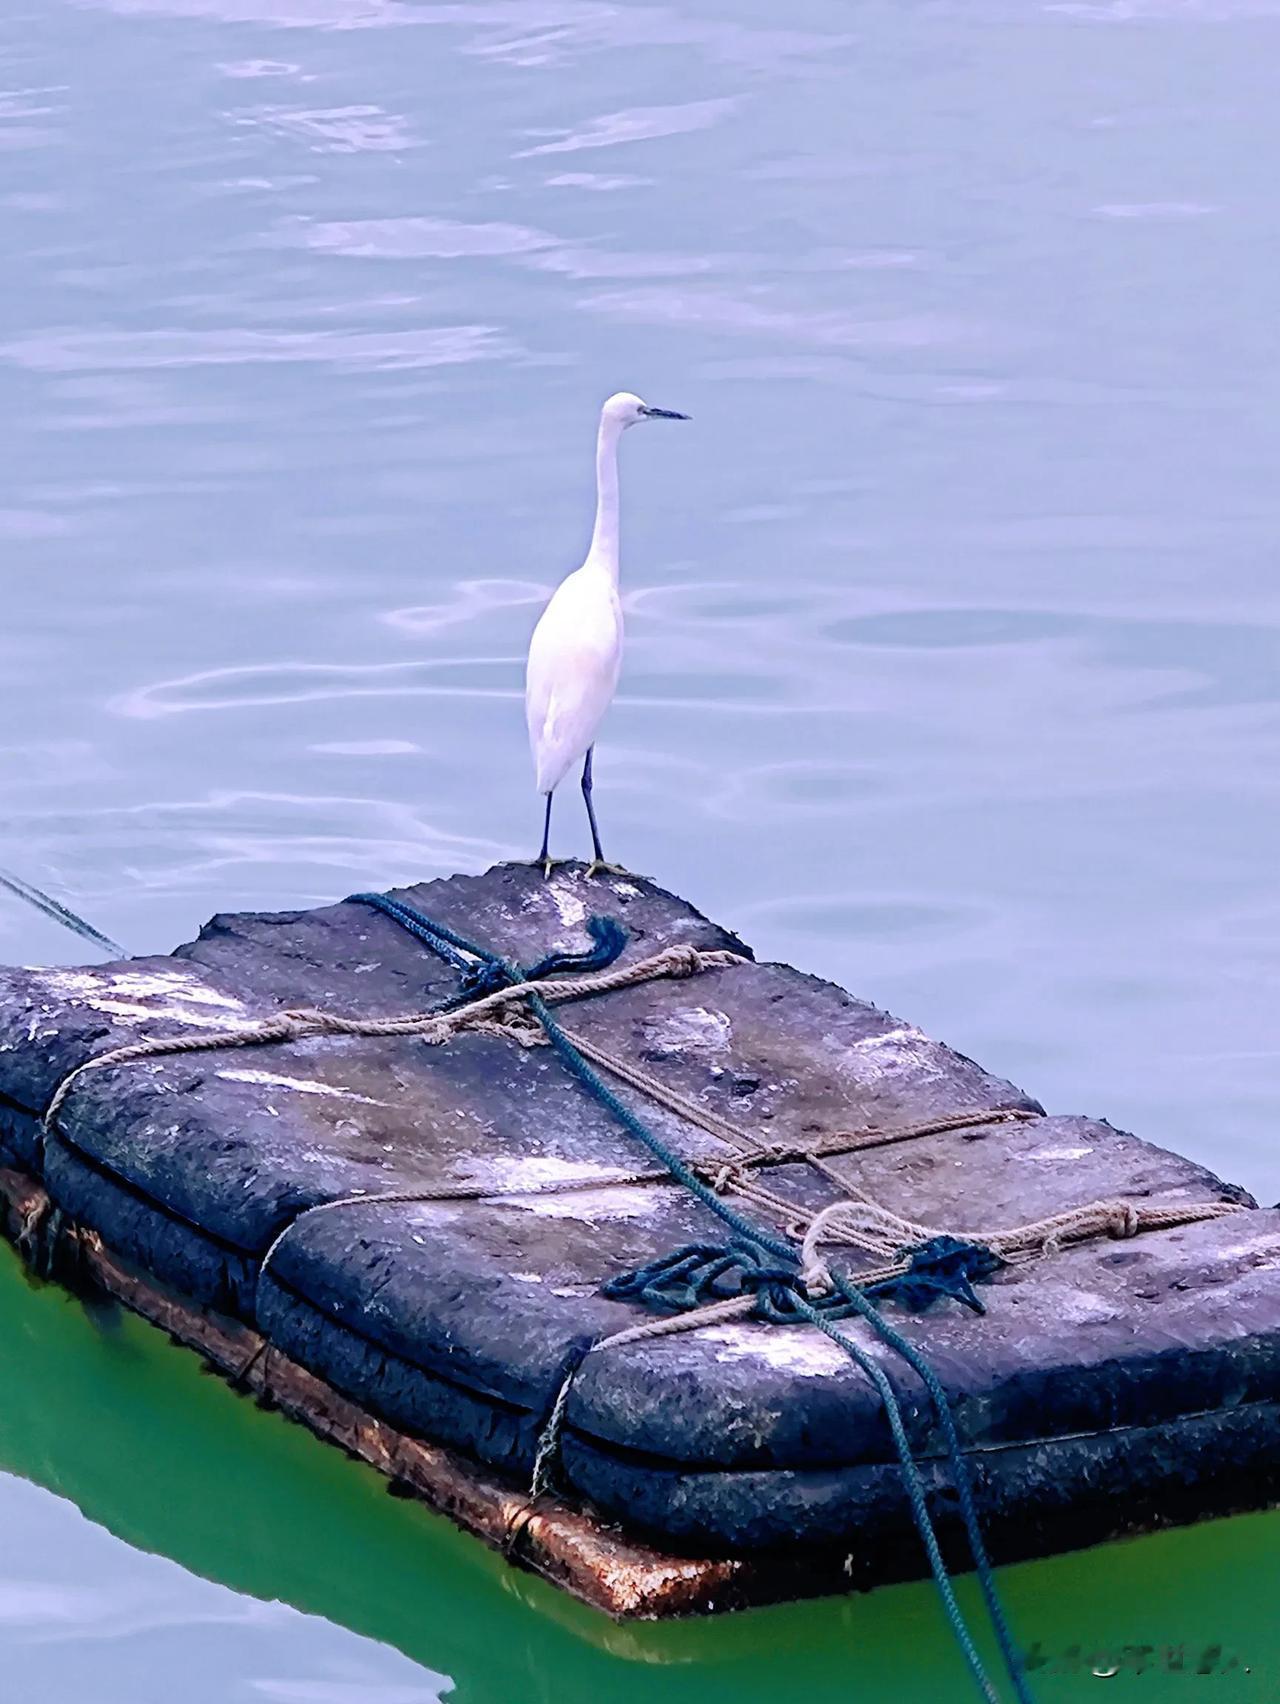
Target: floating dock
(1122, 1377)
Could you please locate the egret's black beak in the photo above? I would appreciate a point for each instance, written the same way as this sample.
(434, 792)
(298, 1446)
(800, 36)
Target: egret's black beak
(662, 414)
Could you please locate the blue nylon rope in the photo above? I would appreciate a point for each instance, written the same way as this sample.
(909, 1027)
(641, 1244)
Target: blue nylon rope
(591, 1079)
(784, 1292)
(442, 941)
(960, 1475)
(914, 1484)
(451, 947)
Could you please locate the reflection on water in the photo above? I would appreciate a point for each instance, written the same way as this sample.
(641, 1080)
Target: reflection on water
(69, 1612)
(957, 602)
(406, 1601)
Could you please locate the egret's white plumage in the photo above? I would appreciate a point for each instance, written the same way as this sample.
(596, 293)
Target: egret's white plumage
(576, 650)
(574, 658)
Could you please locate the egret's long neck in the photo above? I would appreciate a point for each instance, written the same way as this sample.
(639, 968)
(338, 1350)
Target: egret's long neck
(604, 535)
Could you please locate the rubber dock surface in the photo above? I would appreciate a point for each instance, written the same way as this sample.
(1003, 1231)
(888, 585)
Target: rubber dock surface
(1113, 1383)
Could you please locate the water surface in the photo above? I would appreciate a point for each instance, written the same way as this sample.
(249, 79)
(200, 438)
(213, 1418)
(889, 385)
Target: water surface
(953, 671)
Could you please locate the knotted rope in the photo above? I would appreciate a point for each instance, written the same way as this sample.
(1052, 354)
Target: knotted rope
(581, 1068)
(759, 1273)
(492, 1013)
(866, 1225)
(770, 1292)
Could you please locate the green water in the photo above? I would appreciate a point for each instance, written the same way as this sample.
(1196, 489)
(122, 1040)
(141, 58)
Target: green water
(107, 1414)
(953, 660)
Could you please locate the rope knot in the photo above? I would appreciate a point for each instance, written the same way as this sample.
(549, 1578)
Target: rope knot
(516, 1023)
(817, 1276)
(942, 1267)
(487, 977)
(699, 1274)
(781, 1153)
(682, 960)
(294, 1025)
(1125, 1220)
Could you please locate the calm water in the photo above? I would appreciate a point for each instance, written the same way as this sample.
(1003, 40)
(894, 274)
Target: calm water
(954, 662)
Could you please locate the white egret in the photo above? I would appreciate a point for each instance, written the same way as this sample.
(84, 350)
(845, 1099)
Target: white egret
(576, 650)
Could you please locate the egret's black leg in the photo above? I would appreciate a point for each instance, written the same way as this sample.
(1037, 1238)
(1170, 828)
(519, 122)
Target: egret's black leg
(597, 865)
(596, 848)
(544, 857)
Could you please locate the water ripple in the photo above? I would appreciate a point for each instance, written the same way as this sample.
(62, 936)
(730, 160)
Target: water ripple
(413, 238)
(719, 311)
(256, 685)
(469, 600)
(634, 124)
(85, 351)
(341, 130)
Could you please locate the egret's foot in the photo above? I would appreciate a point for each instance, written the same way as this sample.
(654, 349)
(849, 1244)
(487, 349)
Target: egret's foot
(547, 865)
(599, 867)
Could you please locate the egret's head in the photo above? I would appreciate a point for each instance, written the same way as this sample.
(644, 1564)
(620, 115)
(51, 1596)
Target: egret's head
(623, 410)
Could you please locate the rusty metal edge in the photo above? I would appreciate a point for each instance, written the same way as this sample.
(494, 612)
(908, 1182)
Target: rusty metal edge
(567, 1546)
(588, 1559)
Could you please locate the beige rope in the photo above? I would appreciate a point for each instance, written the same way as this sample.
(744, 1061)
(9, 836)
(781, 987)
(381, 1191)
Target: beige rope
(860, 1223)
(462, 1192)
(716, 1313)
(875, 1229)
(778, 1153)
(488, 1014)
(865, 1225)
